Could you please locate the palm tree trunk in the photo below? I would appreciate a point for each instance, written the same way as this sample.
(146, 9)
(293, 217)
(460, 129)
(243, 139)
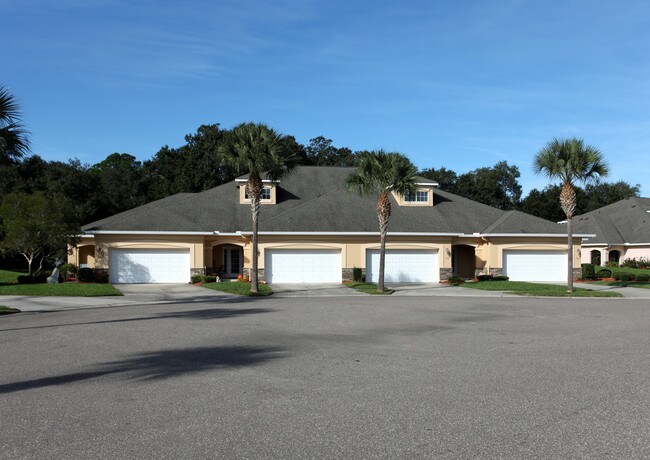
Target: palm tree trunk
(254, 189)
(568, 203)
(383, 213)
(570, 254)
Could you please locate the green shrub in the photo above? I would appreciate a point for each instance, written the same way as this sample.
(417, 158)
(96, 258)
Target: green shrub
(588, 272)
(208, 278)
(604, 273)
(616, 275)
(456, 280)
(611, 264)
(642, 277)
(625, 277)
(500, 278)
(356, 274)
(629, 263)
(26, 279)
(67, 270)
(196, 279)
(484, 277)
(86, 275)
(101, 277)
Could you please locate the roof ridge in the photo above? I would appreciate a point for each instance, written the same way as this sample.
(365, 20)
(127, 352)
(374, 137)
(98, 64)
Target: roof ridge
(505, 216)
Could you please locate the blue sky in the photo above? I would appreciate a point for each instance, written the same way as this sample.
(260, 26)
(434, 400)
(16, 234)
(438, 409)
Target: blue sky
(456, 84)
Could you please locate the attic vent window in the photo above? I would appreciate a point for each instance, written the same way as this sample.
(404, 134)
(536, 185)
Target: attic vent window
(421, 196)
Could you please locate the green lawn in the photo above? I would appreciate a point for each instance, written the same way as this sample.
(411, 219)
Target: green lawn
(239, 287)
(8, 277)
(7, 310)
(368, 288)
(9, 286)
(64, 289)
(534, 289)
(636, 284)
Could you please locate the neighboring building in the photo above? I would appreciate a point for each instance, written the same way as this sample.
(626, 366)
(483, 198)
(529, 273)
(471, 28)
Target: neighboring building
(313, 230)
(622, 231)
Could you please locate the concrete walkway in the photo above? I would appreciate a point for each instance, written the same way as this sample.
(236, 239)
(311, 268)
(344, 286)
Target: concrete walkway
(627, 292)
(134, 294)
(314, 290)
(441, 290)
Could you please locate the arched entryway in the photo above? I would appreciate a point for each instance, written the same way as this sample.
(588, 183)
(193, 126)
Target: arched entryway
(86, 256)
(595, 257)
(463, 260)
(228, 260)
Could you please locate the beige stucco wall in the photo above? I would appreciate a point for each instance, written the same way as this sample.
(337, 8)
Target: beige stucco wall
(104, 243)
(488, 252)
(627, 252)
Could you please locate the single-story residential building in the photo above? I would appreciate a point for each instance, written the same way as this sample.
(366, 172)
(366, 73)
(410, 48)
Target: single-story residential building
(621, 229)
(312, 230)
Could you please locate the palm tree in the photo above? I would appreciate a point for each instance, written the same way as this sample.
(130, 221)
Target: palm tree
(570, 161)
(14, 139)
(380, 172)
(254, 149)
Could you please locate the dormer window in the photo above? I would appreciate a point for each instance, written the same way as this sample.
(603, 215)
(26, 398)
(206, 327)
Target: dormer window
(265, 195)
(421, 196)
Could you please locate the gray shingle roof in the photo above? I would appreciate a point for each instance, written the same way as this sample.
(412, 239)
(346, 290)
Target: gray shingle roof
(314, 199)
(626, 221)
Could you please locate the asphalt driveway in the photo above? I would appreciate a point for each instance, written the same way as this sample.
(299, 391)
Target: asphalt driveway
(348, 377)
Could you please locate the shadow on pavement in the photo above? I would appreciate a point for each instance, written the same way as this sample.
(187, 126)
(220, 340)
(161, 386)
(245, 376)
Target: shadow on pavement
(207, 313)
(162, 364)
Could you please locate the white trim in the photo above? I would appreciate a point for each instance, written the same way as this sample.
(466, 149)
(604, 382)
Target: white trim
(354, 233)
(432, 184)
(615, 244)
(139, 232)
(536, 235)
(264, 181)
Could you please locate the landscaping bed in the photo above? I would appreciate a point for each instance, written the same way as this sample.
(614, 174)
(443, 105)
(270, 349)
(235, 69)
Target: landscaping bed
(8, 310)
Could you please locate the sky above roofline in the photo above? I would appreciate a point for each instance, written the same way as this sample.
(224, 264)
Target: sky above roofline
(460, 85)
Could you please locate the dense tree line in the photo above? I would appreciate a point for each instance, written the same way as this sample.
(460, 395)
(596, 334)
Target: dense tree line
(121, 182)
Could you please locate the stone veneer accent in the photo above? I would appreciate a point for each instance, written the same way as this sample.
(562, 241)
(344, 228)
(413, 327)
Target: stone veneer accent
(260, 274)
(348, 275)
(445, 274)
(577, 273)
(197, 271)
(496, 271)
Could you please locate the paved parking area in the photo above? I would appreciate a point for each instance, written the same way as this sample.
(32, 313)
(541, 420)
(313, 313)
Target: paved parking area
(332, 377)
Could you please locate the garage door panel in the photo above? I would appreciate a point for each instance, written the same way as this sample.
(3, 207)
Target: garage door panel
(302, 265)
(135, 266)
(404, 266)
(543, 266)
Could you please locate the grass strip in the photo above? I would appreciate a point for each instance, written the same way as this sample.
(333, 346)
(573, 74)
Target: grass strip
(368, 288)
(239, 288)
(8, 310)
(63, 289)
(535, 289)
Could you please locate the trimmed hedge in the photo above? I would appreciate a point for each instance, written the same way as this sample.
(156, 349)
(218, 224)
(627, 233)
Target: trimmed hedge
(500, 278)
(588, 272)
(642, 277)
(484, 277)
(357, 274)
(456, 280)
(604, 273)
(86, 275)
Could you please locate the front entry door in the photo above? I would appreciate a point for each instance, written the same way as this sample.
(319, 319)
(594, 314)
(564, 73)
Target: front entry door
(233, 262)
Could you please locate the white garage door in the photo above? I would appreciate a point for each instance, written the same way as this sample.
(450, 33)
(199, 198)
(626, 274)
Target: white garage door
(404, 266)
(535, 265)
(149, 265)
(302, 266)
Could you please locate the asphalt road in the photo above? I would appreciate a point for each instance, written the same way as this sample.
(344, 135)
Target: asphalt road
(354, 377)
